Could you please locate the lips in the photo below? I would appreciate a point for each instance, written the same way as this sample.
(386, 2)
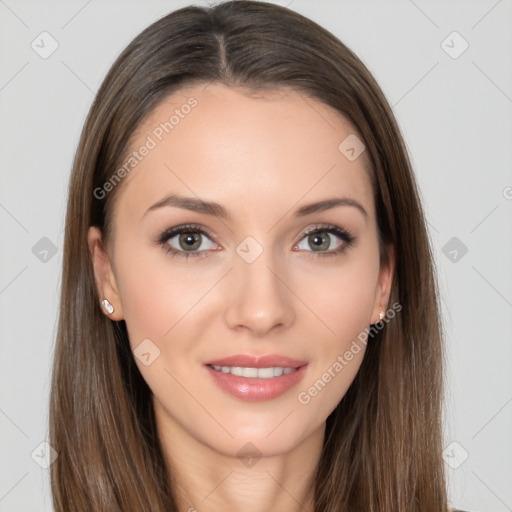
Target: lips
(256, 388)
(253, 361)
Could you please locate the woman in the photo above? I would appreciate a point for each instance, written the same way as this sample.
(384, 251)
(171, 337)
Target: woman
(249, 315)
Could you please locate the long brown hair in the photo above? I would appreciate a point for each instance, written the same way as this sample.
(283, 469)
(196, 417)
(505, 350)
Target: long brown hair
(383, 442)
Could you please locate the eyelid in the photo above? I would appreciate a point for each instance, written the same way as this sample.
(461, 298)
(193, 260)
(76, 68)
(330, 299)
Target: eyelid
(344, 234)
(169, 233)
(176, 230)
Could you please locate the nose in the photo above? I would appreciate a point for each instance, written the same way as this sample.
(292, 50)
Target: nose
(259, 299)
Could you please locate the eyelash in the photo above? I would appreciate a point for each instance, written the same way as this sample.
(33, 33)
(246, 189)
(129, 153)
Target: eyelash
(162, 240)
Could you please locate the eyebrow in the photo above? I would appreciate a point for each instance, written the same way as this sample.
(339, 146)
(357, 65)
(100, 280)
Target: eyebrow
(217, 210)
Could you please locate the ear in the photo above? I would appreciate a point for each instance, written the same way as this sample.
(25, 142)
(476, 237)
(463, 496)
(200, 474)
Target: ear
(103, 274)
(383, 290)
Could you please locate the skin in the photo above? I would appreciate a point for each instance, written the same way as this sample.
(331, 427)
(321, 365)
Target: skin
(261, 157)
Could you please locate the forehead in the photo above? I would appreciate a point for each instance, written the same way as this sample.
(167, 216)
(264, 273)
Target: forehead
(247, 150)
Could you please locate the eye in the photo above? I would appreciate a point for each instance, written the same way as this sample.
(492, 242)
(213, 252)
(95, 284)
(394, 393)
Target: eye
(186, 241)
(322, 238)
(194, 241)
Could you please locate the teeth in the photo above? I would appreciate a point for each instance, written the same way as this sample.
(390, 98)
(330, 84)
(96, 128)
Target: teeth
(252, 373)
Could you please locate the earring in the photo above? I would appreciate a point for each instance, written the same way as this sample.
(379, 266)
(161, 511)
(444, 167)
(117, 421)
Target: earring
(381, 315)
(108, 307)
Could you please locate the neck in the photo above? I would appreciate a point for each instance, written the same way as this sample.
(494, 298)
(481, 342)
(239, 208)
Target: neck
(205, 479)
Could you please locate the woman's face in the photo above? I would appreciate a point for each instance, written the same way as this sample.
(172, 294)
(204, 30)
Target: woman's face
(255, 282)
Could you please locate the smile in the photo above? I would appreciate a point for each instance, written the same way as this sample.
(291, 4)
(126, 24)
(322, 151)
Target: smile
(256, 384)
(255, 373)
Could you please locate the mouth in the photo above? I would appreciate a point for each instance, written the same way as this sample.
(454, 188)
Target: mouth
(256, 361)
(253, 378)
(255, 373)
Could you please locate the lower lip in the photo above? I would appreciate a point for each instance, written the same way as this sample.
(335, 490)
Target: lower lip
(255, 389)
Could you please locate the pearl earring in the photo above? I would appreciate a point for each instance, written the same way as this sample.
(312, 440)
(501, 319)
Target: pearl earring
(381, 315)
(108, 307)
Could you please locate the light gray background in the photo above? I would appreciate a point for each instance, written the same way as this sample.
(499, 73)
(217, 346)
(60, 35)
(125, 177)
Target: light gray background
(455, 114)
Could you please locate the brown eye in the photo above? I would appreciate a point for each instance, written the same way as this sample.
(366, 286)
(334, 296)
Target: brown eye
(187, 240)
(322, 240)
(190, 241)
(319, 242)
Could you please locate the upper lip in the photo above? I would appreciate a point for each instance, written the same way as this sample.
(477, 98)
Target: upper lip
(250, 361)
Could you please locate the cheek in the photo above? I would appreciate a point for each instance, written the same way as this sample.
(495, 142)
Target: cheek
(343, 296)
(344, 299)
(157, 293)
(351, 307)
